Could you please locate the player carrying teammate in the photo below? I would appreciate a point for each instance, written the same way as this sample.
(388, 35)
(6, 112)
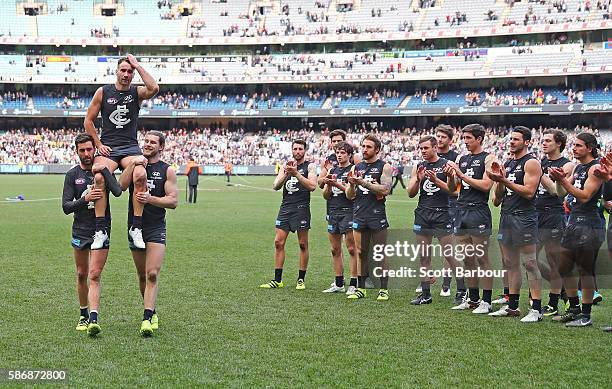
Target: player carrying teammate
(473, 221)
(298, 178)
(161, 194)
(340, 218)
(432, 217)
(119, 104)
(369, 183)
(78, 196)
(516, 185)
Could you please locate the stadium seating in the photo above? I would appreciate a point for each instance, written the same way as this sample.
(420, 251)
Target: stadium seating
(303, 17)
(444, 98)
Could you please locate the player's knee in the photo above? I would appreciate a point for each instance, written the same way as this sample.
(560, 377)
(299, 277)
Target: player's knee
(303, 246)
(152, 276)
(279, 244)
(531, 266)
(336, 251)
(352, 250)
(99, 180)
(82, 276)
(94, 275)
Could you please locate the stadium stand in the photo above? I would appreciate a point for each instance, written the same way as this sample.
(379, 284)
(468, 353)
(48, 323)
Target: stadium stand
(339, 98)
(212, 146)
(244, 18)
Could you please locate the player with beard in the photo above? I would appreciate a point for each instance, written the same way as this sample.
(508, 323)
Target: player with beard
(298, 178)
(516, 184)
(161, 195)
(550, 214)
(340, 218)
(473, 222)
(582, 235)
(78, 198)
(432, 217)
(369, 184)
(119, 106)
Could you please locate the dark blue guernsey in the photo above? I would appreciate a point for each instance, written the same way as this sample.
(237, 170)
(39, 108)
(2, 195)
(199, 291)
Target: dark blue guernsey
(156, 180)
(76, 183)
(515, 172)
(294, 193)
(338, 201)
(430, 195)
(590, 208)
(472, 165)
(333, 159)
(450, 155)
(544, 200)
(119, 116)
(334, 162)
(368, 204)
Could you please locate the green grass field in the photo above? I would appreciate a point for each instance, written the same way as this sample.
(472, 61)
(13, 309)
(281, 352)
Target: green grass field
(218, 329)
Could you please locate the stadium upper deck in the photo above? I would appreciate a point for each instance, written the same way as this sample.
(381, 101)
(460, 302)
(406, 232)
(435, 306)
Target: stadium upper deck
(219, 22)
(544, 60)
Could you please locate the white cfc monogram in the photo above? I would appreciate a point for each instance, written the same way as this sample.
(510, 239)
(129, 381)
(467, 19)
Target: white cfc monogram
(470, 173)
(118, 116)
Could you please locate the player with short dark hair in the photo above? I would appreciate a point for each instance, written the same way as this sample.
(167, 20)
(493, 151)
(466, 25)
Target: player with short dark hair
(161, 194)
(369, 184)
(119, 105)
(516, 186)
(432, 216)
(444, 137)
(582, 235)
(549, 206)
(340, 218)
(335, 137)
(78, 196)
(298, 178)
(473, 222)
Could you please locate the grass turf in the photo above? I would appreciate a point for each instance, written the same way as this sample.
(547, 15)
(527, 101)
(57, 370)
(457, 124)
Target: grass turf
(218, 329)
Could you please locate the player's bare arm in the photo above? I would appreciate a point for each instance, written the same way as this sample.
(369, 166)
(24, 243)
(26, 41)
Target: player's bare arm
(170, 200)
(280, 179)
(309, 182)
(533, 171)
(150, 88)
(89, 123)
(434, 179)
(323, 174)
(550, 185)
(592, 184)
(351, 188)
(415, 180)
(386, 179)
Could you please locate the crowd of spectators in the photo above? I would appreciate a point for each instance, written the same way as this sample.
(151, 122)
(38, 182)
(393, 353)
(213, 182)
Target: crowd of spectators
(214, 146)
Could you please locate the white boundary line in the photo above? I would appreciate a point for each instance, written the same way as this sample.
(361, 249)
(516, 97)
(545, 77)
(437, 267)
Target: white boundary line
(28, 201)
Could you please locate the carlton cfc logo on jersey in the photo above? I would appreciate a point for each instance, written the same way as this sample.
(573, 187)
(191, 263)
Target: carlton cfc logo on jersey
(118, 116)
